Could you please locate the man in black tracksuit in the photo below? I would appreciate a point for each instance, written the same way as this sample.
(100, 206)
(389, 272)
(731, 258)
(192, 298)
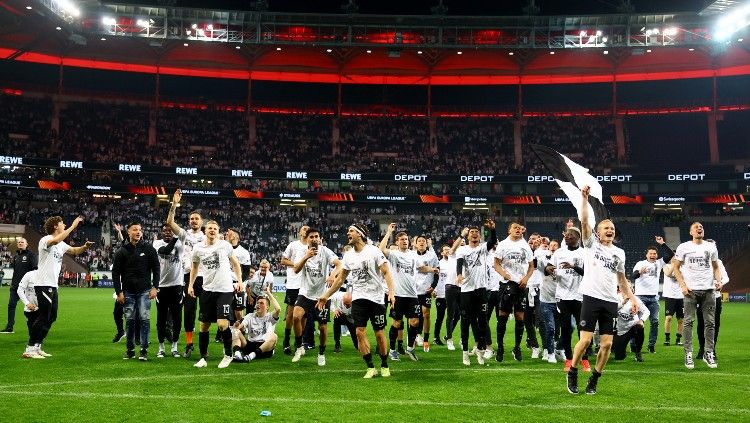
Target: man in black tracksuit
(24, 261)
(135, 274)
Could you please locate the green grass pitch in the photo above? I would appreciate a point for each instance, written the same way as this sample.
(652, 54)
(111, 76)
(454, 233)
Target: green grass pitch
(87, 380)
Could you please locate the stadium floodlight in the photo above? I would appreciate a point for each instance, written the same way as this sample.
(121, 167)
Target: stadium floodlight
(598, 33)
(58, 28)
(28, 8)
(459, 52)
(68, 7)
(733, 22)
(278, 48)
(670, 32)
(237, 47)
(210, 27)
(143, 23)
(109, 21)
(606, 51)
(419, 52)
(369, 51)
(605, 39)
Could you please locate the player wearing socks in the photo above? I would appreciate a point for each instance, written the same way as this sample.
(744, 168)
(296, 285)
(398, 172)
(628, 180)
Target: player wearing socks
(404, 263)
(216, 261)
(493, 300)
(292, 254)
(673, 305)
(170, 293)
(471, 271)
(51, 249)
(566, 265)
(646, 278)
(315, 271)
(243, 257)
(439, 293)
(254, 337)
(26, 294)
(696, 268)
(605, 271)
(371, 277)
(452, 290)
(190, 239)
(426, 279)
(514, 263)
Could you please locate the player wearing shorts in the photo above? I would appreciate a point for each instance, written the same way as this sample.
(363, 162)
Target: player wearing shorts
(315, 271)
(189, 239)
(216, 261)
(371, 276)
(673, 305)
(404, 263)
(292, 254)
(605, 271)
(514, 262)
(426, 279)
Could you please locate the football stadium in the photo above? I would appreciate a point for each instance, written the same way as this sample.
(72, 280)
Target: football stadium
(365, 211)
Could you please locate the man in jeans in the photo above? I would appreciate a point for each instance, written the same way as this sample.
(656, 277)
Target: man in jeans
(135, 275)
(646, 277)
(696, 268)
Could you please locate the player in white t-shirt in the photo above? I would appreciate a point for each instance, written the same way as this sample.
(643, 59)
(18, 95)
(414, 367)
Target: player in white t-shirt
(605, 271)
(315, 269)
(452, 289)
(514, 261)
(243, 257)
(52, 248)
(292, 254)
(216, 261)
(696, 268)
(254, 337)
(471, 271)
(169, 295)
(404, 264)
(426, 279)
(673, 305)
(566, 265)
(445, 273)
(27, 296)
(190, 239)
(371, 276)
(646, 280)
(341, 309)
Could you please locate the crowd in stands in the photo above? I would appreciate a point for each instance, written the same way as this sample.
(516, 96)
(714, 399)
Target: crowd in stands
(116, 133)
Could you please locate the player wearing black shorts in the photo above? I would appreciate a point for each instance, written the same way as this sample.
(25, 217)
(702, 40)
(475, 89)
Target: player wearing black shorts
(426, 279)
(605, 271)
(189, 239)
(404, 263)
(216, 260)
(514, 262)
(292, 254)
(314, 269)
(674, 305)
(369, 270)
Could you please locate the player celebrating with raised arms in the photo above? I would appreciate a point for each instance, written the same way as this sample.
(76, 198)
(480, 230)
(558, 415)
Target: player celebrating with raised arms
(604, 266)
(370, 277)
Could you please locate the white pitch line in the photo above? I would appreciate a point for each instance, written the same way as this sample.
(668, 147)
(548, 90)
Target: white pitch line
(195, 374)
(384, 401)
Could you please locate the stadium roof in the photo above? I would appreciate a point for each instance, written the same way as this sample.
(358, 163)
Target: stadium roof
(373, 49)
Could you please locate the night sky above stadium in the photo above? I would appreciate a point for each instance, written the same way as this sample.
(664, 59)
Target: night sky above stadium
(455, 7)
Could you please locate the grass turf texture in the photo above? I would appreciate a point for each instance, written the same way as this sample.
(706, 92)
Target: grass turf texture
(87, 380)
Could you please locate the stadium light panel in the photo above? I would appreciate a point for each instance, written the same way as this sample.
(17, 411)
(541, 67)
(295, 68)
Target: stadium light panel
(28, 8)
(109, 21)
(605, 39)
(670, 32)
(459, 52)
(68, 7)
(210, 27)
(369, 51)
(237, 47)
(598, 33)
(731, 23)
(278, 48)
(58, 28)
